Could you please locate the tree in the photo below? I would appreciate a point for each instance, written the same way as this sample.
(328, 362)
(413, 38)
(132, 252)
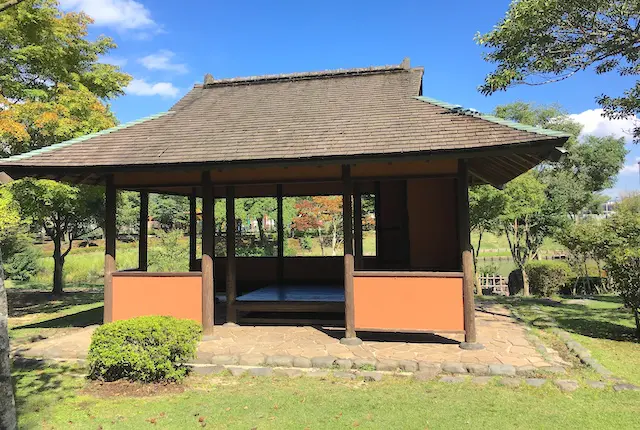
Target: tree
(170, 211)
(64, 212)
(42, 47)
(622, 251)
(486, 204)
(256, 208)
(543, 41)
(6, 5)
(321, 214)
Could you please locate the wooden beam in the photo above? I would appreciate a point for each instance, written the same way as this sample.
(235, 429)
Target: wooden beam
(280, 270)
(208, 286)
(347, 222)
(357, 226)
(464, 235)
(377, 221)
(109, 247)
(143, 244)
(231, 255)
(193, 224)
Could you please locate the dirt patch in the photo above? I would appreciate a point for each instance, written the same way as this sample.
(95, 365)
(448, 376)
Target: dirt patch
(131, 389)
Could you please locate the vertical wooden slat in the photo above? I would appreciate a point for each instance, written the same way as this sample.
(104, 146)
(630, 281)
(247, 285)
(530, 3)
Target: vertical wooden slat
(109, 247)
(193, 223)
(143, 242)
(231, 254)
(357, 226)
(207, 254)
(350, 331)
(280, 272)
(464, 235)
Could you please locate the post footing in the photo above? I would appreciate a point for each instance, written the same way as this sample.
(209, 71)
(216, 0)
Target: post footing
(471, 346)
(351, 341)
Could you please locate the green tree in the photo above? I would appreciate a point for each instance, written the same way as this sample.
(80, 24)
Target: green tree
(622, 253)
(65, 213)
(543, 41)
(170, 211)
(41, 47)
(486, 204)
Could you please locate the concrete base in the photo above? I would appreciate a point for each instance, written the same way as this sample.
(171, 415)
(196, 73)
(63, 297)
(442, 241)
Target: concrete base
(351, 341)
(471, 346)
(230, 324)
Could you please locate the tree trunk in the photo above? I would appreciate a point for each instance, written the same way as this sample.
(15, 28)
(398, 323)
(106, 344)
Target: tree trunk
(320, 240)
(525, 283)
(334, 239)
(58, 264)
(636, 313)
(7, 402)
(263, 237)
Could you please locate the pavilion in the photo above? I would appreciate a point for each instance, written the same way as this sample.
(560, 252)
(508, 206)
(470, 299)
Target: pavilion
(341, 132)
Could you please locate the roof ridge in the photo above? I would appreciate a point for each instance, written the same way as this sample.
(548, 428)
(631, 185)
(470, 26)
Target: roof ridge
(492, 118)
(82, 138)
(310, 75)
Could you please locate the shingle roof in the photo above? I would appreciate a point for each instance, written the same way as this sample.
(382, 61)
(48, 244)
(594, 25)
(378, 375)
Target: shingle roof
(376, 111)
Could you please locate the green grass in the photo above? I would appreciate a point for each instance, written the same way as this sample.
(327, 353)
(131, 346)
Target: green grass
(48, 398)
(600, 324)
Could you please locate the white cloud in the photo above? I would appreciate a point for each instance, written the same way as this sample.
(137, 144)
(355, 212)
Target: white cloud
(594, 123)
(140, 87)
(162, 61)
(631, 169)
(120, 14)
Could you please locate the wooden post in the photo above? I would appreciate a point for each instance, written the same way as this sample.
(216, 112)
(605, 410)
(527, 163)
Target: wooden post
(357, 226)
(207, 254)
(347, 222)
(464, 235)
(143, 242)
(193, 223)
(377, 226)
(280, 273)
(109, 247)
(231, 254)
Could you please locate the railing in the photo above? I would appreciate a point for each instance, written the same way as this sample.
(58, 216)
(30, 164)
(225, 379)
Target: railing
(493, 284)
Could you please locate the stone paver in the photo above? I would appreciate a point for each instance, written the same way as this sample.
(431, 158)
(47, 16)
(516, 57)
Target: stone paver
(505, 342)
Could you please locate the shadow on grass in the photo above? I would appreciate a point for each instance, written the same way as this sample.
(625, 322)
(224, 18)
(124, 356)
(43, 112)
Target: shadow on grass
(23, 303)
(79, 319)
(580, 318)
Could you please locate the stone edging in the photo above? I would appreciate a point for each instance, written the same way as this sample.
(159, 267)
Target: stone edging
(546, 321)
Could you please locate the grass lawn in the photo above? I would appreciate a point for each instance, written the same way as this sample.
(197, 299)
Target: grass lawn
(49, 398)
(600, 324)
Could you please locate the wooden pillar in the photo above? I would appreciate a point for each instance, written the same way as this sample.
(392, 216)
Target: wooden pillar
(231, 254)
(347, 222)
(207, 254)
(464, 235)
(143, 242)
(280, 272)
(109, 247)
(193, 223)
(377, 226)
(357, 226)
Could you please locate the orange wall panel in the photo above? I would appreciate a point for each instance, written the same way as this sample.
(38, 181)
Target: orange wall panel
(408, 303)
(179, 296)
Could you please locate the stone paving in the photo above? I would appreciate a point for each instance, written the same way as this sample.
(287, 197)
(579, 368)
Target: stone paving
(505, 342)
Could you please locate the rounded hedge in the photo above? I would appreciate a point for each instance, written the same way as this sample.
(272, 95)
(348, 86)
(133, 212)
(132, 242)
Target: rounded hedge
(147, 349)
(546, 278)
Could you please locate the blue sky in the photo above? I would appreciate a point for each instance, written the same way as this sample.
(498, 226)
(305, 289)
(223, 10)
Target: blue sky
(168, 46)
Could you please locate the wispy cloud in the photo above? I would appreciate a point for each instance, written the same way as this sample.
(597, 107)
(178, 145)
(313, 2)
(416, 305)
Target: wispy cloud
(140, 87)
(116, 61)
(631, 168)
(161, 60)
(119, 14)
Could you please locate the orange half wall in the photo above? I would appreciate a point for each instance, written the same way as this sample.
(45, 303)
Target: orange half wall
(136, 295)
(408, 303)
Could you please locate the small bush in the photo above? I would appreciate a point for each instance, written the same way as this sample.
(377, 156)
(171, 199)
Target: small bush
(146, 349)
(23, 265)
(546, 278)
(306, 243)
(516, 284)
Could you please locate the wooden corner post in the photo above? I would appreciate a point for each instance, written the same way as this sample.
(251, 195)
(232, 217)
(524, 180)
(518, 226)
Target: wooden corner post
(207, 254)
(193, 222)
(109, 247)
(464, 235)
(347, 222)
(231, 254)
(357, 226)
(143, 243)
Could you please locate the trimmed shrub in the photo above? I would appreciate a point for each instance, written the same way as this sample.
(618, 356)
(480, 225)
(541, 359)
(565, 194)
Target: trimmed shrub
(516, 284)
(546, 278)
(146, 349)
